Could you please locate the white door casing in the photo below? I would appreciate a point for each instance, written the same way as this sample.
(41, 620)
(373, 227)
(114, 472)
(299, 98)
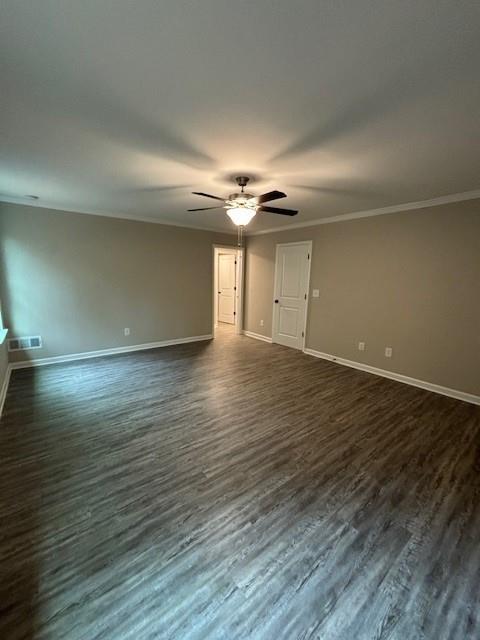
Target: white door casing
(238, 253)
(226, 287)
(238, 292)
(291, 289)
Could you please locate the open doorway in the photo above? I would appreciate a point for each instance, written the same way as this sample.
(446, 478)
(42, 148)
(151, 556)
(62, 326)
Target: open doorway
(227, 287)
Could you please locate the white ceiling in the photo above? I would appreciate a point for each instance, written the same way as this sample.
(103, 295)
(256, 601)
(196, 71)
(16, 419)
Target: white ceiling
(124, 107)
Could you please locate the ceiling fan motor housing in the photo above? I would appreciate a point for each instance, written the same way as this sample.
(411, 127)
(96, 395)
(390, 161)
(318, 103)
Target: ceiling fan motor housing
(240, 198)
(242, 181)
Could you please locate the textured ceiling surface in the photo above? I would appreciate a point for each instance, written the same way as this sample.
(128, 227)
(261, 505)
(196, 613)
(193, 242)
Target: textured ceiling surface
(124, 108)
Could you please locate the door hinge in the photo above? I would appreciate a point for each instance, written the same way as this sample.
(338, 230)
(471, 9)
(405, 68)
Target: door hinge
(234, 313)
(308, 256)
(303, 334)
(305, 296)
(235, 262)
(234, 288)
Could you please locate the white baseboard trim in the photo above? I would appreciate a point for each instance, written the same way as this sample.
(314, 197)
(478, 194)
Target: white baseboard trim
(107, 352)
(256, 336)
(3, 391)
(398, 377)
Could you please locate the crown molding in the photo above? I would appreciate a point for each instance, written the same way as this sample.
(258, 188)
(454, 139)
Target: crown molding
(119, 216)
(396, 208)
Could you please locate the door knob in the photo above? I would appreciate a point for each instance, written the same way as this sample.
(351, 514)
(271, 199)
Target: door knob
(276, 301)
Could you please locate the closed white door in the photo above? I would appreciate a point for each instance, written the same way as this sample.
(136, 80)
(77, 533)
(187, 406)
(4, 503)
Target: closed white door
(226, 288)
(292, 273)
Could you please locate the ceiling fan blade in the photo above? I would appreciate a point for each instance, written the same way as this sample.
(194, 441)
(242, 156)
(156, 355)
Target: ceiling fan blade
(284, 212)
(271, 195)
(205, 208)
(207, 195)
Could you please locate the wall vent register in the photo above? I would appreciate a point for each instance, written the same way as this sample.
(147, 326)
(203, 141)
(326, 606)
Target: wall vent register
(27, 342)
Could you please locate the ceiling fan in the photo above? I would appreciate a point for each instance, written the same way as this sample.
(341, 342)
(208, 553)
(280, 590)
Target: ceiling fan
(242, 207)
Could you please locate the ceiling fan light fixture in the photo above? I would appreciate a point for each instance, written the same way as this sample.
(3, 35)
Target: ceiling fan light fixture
(241, 216)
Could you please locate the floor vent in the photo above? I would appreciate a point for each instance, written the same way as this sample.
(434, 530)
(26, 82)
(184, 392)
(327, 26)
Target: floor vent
(28, 342)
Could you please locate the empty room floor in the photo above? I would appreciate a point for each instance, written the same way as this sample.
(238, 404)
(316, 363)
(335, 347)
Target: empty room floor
(233, 490)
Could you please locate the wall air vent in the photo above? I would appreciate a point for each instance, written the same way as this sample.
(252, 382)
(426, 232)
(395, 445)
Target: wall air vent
(22, 344)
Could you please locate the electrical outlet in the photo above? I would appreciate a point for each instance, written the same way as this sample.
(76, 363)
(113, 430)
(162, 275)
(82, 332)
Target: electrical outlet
(388, 352)
(361, 346)
(126, 331)
(261, 323)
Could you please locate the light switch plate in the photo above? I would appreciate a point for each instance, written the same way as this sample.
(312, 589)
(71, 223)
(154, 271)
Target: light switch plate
(388, 352)
(315, 293)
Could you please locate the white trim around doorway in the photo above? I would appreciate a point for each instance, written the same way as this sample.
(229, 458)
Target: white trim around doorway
(239, 253)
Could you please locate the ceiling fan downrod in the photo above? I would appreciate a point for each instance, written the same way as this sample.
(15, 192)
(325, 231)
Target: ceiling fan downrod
(242, 181)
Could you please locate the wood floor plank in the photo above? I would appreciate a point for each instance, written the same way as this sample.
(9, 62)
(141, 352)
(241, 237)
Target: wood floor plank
(235, 490)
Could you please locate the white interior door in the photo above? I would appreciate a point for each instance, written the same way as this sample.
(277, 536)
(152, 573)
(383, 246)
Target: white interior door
(292, 273)
(226, 287)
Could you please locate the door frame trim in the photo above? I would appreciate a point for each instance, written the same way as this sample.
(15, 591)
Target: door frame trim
(240, 255)
(309, 244)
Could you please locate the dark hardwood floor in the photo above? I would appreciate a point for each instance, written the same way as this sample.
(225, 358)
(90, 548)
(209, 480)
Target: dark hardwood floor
(235, 490)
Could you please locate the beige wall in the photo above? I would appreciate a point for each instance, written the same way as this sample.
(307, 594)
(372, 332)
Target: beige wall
(409, 280)
(78, 280)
